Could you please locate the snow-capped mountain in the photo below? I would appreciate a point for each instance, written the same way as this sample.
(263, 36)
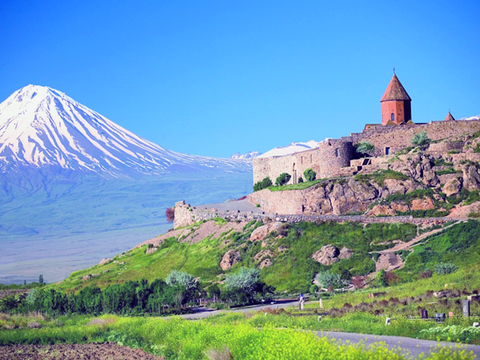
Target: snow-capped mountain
(471, 118)
(40, 126)
(248, 156)
(290, 149)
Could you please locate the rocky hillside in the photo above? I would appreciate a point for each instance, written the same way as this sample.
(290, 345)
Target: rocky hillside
(422, 184)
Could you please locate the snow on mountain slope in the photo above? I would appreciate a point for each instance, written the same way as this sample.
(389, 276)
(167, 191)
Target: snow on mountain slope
(290, 149)
(471, 118)
(40, 126)
(248, 156)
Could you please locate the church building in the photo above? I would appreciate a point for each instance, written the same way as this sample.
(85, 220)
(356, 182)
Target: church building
(395, 104)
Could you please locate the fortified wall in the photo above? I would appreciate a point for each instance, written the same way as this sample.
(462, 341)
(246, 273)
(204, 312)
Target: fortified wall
(186, 214)
(333, 156)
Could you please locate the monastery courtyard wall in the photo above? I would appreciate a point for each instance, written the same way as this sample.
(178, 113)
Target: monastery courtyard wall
(333, 156)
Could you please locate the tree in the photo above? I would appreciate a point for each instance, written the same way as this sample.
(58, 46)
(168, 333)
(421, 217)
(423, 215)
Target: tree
(282, 179)
(184, 284)
(365, 147)
(310, 175)
(170, 214)
(265, 183)
(244, 283)
(327, 279)
(421, 139)
(40, 279)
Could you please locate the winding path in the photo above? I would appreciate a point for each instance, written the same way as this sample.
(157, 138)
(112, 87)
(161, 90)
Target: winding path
(409, 346)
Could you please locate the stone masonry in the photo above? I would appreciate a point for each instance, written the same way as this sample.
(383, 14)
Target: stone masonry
(333, 156)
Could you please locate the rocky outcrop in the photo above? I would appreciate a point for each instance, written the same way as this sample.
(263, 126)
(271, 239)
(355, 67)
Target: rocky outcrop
(327, 255)
(262, 254)
(425, 203)
(471, 177)
(262, 232)
(104, 261)
(265, 263)
(452, 186)
(345, 253)
(230, 258)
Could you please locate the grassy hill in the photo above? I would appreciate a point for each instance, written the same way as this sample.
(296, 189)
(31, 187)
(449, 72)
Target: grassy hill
(290, 251)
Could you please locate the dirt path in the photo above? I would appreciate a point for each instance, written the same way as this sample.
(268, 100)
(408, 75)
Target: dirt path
(389, 261)
(92, 351)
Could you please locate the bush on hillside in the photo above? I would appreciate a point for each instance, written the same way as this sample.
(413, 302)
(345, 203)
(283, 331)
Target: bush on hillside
(282, 179)
(365, 147)
(445, 268)
(421, 139)
(170, 214)
(265, 183)
(327, 279)
(310, 175)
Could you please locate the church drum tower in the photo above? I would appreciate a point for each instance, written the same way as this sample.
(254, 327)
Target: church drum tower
(395, 104)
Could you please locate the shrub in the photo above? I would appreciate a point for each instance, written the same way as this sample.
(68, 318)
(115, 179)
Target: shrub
(282, 179)
(421, 139)
(358, 282)
(425, 274)
(365, 147)
(445, 268)
(300, 179)
(381, 278)
(327, 279)
(170, 214)
(310, 175)
(265, 183)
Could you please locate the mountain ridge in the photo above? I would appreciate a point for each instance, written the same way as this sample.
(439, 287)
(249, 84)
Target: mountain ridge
(41, 126)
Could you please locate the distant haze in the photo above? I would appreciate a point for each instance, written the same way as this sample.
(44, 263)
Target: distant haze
(75, 187)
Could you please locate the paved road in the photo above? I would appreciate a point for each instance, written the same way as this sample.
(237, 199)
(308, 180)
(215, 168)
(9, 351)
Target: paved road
(409, 346)
(413, 346)
(201, 312)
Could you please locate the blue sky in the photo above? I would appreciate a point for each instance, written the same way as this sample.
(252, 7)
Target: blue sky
(216, 77)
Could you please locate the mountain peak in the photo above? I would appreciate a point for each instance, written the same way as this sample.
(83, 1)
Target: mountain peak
(41, 126)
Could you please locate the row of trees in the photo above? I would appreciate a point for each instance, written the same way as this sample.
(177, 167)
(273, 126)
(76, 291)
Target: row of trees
(138, 297)
(283, 179)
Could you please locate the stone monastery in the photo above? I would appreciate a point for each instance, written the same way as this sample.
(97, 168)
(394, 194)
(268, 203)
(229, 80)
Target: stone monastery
(337, 157)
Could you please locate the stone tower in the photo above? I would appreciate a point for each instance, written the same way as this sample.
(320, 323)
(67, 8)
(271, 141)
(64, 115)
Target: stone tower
(395, 104)
(449, 117)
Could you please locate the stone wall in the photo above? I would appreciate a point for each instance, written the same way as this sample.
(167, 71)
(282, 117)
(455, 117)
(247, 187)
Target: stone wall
(326, 160)
(188, 215)
(400, 137)
(332, 157)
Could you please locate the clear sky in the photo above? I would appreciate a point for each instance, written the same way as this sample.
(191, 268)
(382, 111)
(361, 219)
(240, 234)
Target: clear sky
(216, 77)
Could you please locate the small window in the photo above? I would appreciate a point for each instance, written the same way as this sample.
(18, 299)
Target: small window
(393, 116)
(337, 152)
(301, 159)
(387, 151)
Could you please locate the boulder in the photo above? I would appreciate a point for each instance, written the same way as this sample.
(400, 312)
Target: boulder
(345, 253)
(105, 261)
(261, 232)
(230, 258)
(327, 255)
(423, 204)
(265, 263)
(452, 187)
(262, 254)
(471, 178)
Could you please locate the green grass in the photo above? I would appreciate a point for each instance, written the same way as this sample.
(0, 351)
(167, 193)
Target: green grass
(246, 337)
(380, 176)
(298, 186)
(292, 270)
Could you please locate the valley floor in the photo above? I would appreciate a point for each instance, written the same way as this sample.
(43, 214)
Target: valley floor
(90, 351)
